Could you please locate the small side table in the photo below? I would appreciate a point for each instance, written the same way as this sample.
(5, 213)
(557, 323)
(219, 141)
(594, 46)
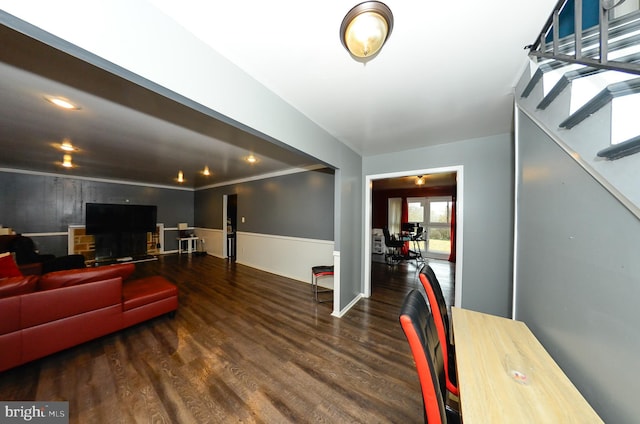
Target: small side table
(190, 243)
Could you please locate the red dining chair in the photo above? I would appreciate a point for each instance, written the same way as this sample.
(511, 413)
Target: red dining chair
(419, 327)
(441, 317)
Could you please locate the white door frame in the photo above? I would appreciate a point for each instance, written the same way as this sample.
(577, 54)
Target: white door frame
(459, 170)
(224, 226)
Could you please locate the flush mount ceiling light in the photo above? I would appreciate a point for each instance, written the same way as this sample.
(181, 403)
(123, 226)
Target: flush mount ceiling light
(366, 28)
(66, 161)
(62, 102)
(67, 146)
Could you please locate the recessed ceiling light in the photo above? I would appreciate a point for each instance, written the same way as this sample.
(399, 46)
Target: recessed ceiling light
(180, 177)
(251, 159)
(61, 102)
(206, 171)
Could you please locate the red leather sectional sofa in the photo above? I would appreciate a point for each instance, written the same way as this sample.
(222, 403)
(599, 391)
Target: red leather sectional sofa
(40, 315)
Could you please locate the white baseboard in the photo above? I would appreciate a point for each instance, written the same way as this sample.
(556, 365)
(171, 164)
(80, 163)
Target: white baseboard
(340, 314)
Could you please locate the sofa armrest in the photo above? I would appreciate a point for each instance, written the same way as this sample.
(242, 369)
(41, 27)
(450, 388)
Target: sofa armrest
(15, 286)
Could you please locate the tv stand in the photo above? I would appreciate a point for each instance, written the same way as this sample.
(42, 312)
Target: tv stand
(125, 260)
(84, 244)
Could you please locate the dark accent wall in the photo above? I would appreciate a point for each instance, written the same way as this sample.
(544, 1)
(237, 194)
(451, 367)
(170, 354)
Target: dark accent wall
(32, 203)
(295, 205)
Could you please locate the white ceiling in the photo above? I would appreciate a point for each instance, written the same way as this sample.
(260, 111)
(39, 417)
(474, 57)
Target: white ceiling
(446, 74)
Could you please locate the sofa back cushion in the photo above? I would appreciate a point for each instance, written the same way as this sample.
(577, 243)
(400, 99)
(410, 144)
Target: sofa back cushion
(8, 267)
(9, 315)
(73, 277)
(46, 306)
(13, 286)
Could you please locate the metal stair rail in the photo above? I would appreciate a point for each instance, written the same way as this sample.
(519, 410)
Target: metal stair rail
(590, 47)
(577, 74)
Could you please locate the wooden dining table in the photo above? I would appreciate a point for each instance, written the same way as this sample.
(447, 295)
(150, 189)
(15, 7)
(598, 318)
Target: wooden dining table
(505, 375)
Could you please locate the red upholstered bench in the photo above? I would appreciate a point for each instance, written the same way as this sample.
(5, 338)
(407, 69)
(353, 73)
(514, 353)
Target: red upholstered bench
(148, 297)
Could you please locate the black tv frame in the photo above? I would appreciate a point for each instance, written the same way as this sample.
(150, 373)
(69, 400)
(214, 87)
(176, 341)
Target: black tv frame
(120, 230)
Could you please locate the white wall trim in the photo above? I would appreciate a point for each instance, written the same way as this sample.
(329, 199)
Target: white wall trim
(57, 233)
(336, 284)
(214, 241)
(289, 257)
(514, 295)
(262, 177)
(225, 218)
(100, 180)
(134, 183)
(340, 314)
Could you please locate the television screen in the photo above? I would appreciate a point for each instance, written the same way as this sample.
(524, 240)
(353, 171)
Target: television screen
(107, 218)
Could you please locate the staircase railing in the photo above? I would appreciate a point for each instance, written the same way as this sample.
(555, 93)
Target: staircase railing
(588, 47)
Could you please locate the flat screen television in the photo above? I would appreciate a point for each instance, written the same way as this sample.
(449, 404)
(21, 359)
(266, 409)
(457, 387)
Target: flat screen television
(120, 231)
(108, 218)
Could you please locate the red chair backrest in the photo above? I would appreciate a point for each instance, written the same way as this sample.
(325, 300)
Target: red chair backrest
(419, 328)
(440, 317)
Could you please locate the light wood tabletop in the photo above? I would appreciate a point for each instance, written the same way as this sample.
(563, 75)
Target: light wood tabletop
(506, 376)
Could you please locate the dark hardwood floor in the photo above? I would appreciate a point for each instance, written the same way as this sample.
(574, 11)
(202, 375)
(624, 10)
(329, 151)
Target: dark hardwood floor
(244, 346)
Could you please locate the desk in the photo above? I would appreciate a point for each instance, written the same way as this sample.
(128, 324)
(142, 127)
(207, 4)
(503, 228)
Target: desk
(488, 351)
(190, 242)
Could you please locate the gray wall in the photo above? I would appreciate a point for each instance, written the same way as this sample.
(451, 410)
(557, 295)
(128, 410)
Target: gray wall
(349, 208)
(32, 203)
(488, 212)
(296, 205)
(578, 275)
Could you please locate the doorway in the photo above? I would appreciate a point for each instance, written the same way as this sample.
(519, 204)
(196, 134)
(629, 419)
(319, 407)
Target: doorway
(458, 216)
(230, 225)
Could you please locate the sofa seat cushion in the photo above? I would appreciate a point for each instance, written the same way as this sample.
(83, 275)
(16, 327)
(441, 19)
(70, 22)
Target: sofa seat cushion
(8, 266)
(14, 286)
(144, 291)
(73, 277)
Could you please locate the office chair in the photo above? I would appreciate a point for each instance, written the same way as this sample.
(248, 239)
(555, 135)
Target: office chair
(395, 256)
(419, 328)
(416, 238)
(441, 318)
